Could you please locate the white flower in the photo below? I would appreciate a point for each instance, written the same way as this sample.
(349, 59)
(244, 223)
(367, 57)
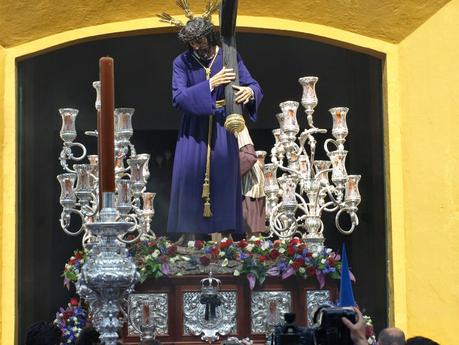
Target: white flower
(186, 258)
(302, 270)
(265, 245)
(221, 254)
(156, 253)
(314, 255)
(225, 263)
(282, 250)
(250, 247)
(236, 273)
(323, 261)
(253, 238)
(190, 244)
(328, 251)
(320, 248)
(224, 239)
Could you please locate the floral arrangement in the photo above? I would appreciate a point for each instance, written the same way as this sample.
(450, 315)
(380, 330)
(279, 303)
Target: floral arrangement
(71, 321)
(257, 258)
(369, 330)
(73, 267)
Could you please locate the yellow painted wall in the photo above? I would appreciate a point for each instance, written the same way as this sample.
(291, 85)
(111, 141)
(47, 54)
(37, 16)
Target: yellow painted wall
(2, 79)
(429, 82)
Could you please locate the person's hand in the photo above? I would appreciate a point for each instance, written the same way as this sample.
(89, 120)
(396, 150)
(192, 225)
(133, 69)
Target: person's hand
(243, 94)
(223, 77)
(357, 329)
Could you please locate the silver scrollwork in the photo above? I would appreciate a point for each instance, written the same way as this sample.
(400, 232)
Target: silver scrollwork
(158, 306)
(267, 308)
(223, 324)
(314, 299)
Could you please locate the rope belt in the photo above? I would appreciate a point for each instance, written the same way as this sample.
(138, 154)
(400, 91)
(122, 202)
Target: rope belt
(206, 185)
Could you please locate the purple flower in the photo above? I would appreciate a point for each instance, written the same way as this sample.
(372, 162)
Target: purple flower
(273, 271)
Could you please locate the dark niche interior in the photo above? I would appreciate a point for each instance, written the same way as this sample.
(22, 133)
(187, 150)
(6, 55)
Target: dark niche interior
(63, 78)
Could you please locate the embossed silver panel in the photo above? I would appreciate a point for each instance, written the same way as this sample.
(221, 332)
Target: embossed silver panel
(194, 312)
(315, 298)
(267, 308)
(158, 303)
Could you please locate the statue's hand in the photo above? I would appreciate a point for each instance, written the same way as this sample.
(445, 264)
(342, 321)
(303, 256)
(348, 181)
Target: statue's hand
(243, 94)
(223, 77)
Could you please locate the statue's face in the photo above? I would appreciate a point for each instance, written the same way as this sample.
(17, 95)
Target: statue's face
(202, 47)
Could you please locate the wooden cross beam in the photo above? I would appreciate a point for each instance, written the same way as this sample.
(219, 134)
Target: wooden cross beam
(228, 14)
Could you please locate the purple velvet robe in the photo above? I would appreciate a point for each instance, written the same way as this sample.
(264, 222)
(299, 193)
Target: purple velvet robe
(192, 96)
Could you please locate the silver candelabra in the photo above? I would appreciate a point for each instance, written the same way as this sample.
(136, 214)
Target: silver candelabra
(79, 185)
(296, 199)
(109, 274)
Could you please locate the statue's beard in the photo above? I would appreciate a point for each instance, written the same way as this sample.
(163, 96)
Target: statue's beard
(205, 53)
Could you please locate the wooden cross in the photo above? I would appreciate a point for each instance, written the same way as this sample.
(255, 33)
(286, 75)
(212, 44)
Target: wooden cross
(228, 14)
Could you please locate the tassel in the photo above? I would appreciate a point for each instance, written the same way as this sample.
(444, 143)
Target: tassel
(207, 211)
(205, 189)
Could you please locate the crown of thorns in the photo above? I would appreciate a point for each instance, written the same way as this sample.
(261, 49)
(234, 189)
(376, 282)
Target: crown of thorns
(196, 26)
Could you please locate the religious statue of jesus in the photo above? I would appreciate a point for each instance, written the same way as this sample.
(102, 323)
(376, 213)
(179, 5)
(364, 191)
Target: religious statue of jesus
(206, 183)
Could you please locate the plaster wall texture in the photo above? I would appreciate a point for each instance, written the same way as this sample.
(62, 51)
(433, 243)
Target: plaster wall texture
(429, 76)
(387, 20)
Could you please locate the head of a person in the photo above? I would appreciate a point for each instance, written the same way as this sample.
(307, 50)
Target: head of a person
(420, 341)
(43, 333)
(391, 336)
(88, 336)
(200, 36)
(149, 342)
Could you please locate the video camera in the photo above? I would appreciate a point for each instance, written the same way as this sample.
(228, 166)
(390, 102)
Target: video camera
(329, 329)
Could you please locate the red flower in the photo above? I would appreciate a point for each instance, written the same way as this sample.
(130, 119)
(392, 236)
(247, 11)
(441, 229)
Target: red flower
(309, 254)
(214, 252)
(152, 244)
(74, 301)
(198, 244)
(295, 241)
(172, 250)
(291, 250)
(277, 243)
(225, 244)
(66, 315)
(242, 244)
(78, 256)
(331, 261)
(311, 271)
(297, 263)
(262, 258)
(258, 243)
(274, 254)
(72, 262)
(204, 260)
(163, 258)
(300, 248)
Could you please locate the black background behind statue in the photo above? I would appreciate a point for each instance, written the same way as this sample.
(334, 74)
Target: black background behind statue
(63, 78)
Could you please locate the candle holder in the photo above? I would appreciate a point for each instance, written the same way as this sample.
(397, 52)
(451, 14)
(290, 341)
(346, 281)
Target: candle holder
(296, 200)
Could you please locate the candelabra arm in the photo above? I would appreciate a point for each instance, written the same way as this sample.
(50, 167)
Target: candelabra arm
(336, 201)
(334, 142)
(283, 168)
(304, 205)
(330, 203)
(354, 220)
(65, 221)
(93, 133)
